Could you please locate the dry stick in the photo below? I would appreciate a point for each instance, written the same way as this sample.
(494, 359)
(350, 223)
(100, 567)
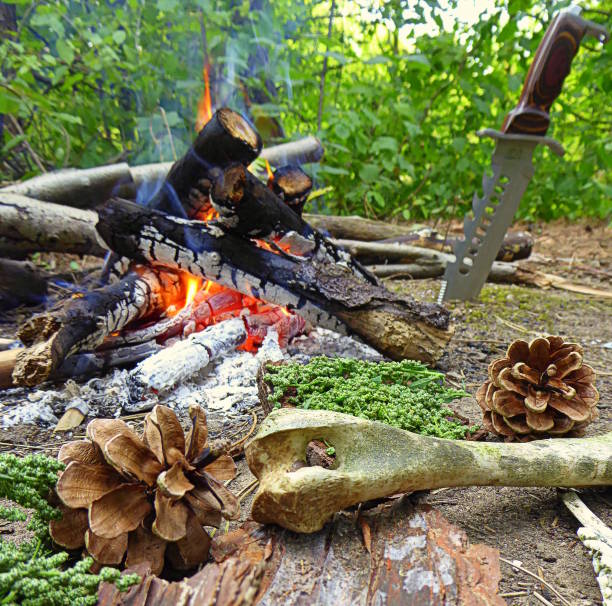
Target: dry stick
(27, 145)
(537, 578)
(327, 294)
(247, 436)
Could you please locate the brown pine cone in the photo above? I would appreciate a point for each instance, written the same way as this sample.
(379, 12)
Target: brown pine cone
(539, 389)
(143, 499)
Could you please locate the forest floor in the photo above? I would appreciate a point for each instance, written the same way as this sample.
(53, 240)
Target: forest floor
(527, 524)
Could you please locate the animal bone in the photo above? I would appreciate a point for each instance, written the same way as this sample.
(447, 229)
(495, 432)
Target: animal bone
(374, 460)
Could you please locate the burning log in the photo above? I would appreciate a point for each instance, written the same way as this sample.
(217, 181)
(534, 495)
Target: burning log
(28, 225)
(82, 322)
(227, 137)
(328, 294)
(292, 185)
(248, 208)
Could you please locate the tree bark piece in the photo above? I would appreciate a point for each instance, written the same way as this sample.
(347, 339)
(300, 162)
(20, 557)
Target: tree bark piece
(82, 322)
(327, 294)
(28, 225)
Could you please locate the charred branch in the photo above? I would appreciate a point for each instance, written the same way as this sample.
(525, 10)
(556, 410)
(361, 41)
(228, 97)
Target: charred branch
(328, 294)
(248, 208)
(82, 322)
(292, 185)
(28, 225)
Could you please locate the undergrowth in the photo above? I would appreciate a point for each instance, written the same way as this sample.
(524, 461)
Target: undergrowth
(404, 394)
(32, 574)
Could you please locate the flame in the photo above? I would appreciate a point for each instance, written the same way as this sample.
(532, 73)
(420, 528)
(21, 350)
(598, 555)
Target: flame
(204, 104)
(193, 285)
(285, 312)
(208, 215)
(269, 171)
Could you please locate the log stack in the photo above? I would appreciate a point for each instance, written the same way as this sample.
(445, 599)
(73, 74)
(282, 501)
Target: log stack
(213, 220)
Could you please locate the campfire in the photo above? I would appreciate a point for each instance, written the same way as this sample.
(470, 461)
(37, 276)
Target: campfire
(217, 260)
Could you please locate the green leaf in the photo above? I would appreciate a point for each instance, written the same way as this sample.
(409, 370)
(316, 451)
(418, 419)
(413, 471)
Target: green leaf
(71, 119)
(167, 5)
(9, 104)
(119, 36)
(369, 172)
(64, 50)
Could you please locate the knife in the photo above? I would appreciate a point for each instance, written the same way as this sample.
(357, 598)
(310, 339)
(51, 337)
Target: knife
(524, 128)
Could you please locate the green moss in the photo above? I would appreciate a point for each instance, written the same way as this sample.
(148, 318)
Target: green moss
(404, 394)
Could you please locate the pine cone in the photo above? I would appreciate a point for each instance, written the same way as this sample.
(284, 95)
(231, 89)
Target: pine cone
(146, 498)
(539, 388)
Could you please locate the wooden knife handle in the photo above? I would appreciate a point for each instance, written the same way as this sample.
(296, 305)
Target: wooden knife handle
(545, 78)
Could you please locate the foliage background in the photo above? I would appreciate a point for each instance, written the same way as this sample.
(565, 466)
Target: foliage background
(406, 86)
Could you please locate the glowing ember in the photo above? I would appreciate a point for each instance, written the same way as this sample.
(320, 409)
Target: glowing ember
(269, 171)
(204, 104)
(207, 215)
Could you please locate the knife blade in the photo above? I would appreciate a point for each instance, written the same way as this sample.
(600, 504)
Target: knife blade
(512, 168)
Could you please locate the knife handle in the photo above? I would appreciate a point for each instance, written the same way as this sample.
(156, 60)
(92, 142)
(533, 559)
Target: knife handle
(550, 66)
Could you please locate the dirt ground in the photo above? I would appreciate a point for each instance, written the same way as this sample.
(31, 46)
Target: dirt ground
(530, 525)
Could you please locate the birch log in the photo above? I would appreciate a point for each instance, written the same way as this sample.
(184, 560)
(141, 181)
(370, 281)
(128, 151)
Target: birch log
(28, 225)
(327, 294)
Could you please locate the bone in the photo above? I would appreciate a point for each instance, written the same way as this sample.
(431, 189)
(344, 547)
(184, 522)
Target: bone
(374, 460)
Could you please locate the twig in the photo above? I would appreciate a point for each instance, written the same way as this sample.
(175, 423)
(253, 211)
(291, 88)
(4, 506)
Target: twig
(26, 144)
(324, 68)
(246, 437)
(537, 578)
(513, 594)
(542, 599)
(248, 490)
(162, 111)
(515, 326)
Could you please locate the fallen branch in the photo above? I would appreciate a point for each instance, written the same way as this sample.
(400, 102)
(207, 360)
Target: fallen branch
(328, 294)
(28, 225)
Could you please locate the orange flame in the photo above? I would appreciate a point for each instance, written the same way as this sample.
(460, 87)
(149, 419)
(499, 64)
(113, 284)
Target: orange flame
(193, 285)
(285, 312)
(207, 215)
(269, 171)
(204, 104)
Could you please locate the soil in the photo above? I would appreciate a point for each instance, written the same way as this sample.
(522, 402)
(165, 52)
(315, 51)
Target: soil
(526, 524)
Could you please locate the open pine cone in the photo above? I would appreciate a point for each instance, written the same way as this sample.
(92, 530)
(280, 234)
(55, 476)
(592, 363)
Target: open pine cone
(539, 388)
(132, 500)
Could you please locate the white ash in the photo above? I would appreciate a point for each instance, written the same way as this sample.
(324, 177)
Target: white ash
(324, 342)
(37, 410)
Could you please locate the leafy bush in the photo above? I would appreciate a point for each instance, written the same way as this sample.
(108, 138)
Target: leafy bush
(406, 88)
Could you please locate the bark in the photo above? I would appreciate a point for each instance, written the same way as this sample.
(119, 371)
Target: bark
(82, 322)
(302, 151)
(357, 228)
(327, 294)
(28, 225)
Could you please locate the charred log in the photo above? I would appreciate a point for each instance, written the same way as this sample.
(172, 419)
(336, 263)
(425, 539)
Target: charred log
(248, 208)
(28, 225)
(82, 322)
(226, 138)
(292, 185)
(328, 294)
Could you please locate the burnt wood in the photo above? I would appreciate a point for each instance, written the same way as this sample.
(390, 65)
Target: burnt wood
(328, 294)
(292, 185)
(248, 208)
(82, 322)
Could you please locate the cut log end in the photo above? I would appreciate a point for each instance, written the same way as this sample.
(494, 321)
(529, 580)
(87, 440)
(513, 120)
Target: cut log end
(238, 127)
